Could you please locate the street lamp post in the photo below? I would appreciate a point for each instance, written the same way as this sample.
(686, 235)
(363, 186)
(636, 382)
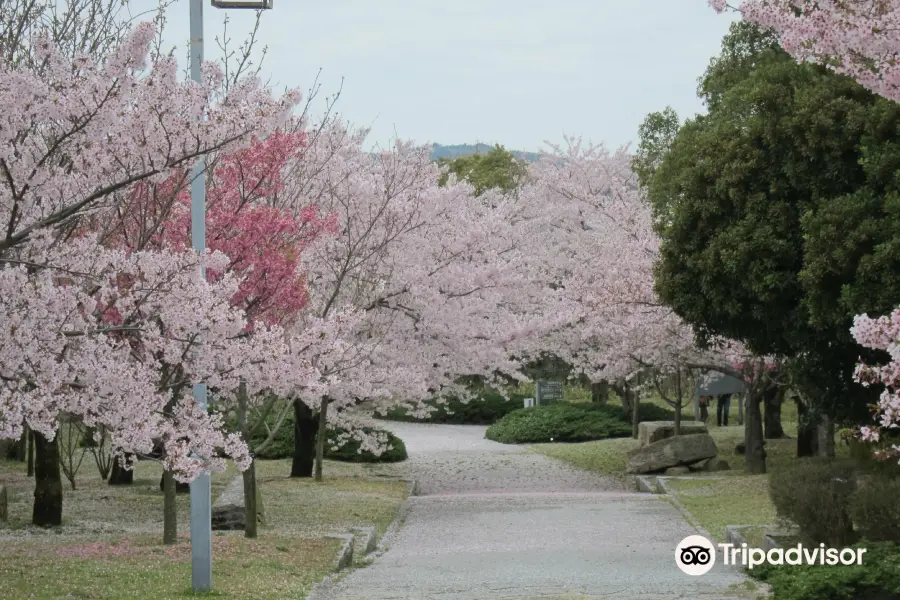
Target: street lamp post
(201, 493)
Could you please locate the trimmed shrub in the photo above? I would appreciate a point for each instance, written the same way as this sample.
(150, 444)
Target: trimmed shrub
(563, 422)
(283, 446)
(815, 494)
(875, 508)
(487, 409)
(877, 578)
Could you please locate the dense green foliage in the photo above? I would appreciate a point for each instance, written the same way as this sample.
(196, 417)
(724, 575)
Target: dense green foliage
(497, 169)
(486, 409)
(563, 422)
(816, 496)
(878, 578)
(777, 212)
(283, 446)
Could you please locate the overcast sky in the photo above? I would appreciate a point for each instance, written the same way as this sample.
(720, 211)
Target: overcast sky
(493, 71)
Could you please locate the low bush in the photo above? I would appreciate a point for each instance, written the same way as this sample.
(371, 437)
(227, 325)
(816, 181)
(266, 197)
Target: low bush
(486, 409)
(877, 578)
(564, 422)
(875, 508)
(282, 446)
(815, 495)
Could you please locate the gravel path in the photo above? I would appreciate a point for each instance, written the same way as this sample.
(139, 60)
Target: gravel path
(498, 522)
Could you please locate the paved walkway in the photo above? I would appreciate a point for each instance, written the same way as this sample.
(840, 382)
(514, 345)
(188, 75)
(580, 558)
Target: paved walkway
(497, 522)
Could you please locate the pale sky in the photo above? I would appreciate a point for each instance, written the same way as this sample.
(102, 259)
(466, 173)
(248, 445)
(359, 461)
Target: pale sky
(492, 71)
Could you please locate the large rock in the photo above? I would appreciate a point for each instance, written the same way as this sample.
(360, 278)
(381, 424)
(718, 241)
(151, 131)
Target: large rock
(228, 510)
(653, 431)
(681, 450)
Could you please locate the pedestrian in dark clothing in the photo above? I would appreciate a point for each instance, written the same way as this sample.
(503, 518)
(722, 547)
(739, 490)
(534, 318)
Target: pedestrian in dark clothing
(723, 404)
(704, 409)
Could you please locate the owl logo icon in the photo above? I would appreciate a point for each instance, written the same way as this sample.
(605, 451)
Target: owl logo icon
(695, 555)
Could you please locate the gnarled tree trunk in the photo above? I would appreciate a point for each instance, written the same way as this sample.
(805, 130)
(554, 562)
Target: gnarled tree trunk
(773, 400)
(48, 493)
(754, 452)
(248, 476)
(170, 509)
(120, 475)
(825, 435)
(305, 424)
(807, 435)
(600, 392)
(321, 435)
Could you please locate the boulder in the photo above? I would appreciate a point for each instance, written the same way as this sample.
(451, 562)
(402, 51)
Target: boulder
(653, 431)
(4, 504)
(681, 450)
(228, 510)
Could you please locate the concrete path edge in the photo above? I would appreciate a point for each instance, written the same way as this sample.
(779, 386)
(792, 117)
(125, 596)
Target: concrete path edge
(319, 590)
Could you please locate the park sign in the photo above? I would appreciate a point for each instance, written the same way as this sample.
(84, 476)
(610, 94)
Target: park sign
(548, 392)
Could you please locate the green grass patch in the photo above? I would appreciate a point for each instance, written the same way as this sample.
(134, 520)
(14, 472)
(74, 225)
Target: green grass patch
(109, 546)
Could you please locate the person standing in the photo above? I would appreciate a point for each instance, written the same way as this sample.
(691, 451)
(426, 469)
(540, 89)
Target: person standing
(704, 409)
(723, 404)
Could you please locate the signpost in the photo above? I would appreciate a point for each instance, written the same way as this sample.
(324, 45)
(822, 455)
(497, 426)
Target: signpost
(548, 392)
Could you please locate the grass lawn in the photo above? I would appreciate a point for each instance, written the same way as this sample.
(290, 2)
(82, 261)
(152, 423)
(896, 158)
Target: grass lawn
(109, 546)
(714, 499)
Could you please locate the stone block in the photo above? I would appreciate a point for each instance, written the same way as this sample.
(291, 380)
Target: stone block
(653, 431)
(682, 450)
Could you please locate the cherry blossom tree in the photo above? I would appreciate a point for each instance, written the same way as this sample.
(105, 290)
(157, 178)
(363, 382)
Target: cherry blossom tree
(882, 333)
(857, 38)
(600, 250)
(77, 136)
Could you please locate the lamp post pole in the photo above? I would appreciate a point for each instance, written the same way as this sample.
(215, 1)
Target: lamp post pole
(201, 492)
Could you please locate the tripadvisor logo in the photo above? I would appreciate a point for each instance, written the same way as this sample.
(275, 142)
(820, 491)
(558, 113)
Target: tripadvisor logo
(696, 555)
(795, 555)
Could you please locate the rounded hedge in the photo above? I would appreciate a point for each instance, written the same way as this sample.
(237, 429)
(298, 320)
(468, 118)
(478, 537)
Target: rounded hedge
(563, 422)
(486, 409)
(283, 446)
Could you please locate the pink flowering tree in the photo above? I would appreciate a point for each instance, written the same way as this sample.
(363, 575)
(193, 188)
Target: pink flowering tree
(78, 137)
(882, 333)
(857, 38)
(600, 254)
(433, 274)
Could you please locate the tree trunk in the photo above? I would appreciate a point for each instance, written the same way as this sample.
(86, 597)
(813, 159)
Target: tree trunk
(170, 509)
(321, 436)
(304, 440)
(825, 435)
(773, 400)
(678, 403)
(741, 401)
(120, 475)
(22, 448)
(600, 392)
(754, 452)
(635, 412)
(48, 493)
(248, 476)
(807, 438)
(30, 453)
(180, 488)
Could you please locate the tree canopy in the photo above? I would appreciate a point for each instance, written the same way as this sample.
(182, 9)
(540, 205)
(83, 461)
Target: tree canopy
(774, 210)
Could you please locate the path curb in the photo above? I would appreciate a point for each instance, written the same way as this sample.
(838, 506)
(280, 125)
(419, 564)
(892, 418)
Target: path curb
(345, 554)
(319, 591)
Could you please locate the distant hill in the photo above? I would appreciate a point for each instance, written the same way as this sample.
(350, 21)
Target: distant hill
(455, 151)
